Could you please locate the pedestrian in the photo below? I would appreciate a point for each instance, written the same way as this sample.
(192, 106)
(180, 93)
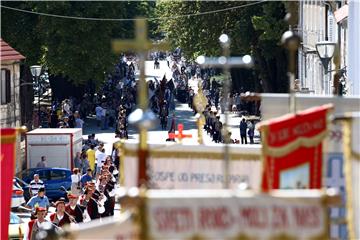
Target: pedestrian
(84, 163)
(77, 161)
(74, 209)
(98, 112)
(75, 182)
(91, 157)
(40, 200)
(87, 177)
(42, 163)
(251, 130)
(100, 160)
(243, 127)
(79, 123)
(60, 218)
(35, 185)
(34, 226)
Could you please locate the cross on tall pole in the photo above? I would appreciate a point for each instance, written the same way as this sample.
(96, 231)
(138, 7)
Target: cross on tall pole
(141, 116)
(226, 62)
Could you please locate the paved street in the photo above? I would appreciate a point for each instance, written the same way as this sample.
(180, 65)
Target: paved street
(184, 115)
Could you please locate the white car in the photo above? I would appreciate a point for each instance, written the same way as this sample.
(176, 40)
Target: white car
(17, 198)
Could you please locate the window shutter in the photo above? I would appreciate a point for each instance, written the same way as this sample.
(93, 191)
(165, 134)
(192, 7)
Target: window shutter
(7, 86)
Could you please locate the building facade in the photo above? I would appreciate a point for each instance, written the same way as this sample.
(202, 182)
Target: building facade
(10, 86)
(323, 21)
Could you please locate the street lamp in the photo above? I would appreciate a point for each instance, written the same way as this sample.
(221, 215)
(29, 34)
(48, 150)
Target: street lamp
(325, 51)
(35, 72)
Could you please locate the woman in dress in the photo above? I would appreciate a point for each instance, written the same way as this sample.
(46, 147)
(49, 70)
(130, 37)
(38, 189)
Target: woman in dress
(75, 182)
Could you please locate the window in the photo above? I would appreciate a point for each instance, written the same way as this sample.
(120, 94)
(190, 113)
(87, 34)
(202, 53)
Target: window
(5, 86)
(58, 174)
(43, 175)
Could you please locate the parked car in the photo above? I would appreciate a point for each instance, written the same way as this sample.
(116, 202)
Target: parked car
(53, 178)
(16, 227)
(17, 197)
(25, 187)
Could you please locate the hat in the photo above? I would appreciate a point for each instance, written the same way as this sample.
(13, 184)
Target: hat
(40, 209)
(72, 196)
(61, 200)
(41, 189)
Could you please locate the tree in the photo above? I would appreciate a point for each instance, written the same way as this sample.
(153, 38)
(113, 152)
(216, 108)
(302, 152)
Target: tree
(79, 50)
(254, 30)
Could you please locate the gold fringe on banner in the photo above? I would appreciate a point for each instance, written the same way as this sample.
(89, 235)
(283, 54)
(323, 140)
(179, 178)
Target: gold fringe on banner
(299, 142)
(12, 138)
(347, 141)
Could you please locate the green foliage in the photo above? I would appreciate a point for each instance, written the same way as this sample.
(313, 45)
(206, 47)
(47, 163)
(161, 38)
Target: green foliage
(77, 49)
(254, 30)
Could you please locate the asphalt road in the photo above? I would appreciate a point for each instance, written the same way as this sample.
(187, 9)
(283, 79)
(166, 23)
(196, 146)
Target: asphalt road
(183, 113)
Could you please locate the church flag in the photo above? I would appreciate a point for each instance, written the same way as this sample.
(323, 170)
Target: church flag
(292, 149)
(7, 160)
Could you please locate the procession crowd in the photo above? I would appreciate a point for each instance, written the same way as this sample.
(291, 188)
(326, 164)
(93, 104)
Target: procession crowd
(92, 193)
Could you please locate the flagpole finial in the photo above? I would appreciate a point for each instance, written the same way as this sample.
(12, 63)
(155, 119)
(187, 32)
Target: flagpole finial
(22, 129)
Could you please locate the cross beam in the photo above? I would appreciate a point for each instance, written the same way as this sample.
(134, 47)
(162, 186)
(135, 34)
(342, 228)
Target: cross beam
(180, 134)
(141, 45)
(226, 62)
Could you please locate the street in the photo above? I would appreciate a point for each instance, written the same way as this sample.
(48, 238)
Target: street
(184, 115)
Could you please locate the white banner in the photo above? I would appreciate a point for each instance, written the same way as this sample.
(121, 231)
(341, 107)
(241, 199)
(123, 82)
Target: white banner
(180, 167)
(122, 227)
(186, 214)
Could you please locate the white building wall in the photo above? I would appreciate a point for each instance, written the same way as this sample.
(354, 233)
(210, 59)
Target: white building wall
(10, 112)
(354, 47)
(312, 30)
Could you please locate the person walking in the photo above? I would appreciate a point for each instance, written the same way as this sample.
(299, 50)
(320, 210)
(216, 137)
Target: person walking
(84, 163)
(75, 182)
(243, 127)
(91, 157)
(34, 225)
(251, 131)
(35, 185)
(39, 200)
(87, 177)
(77, 160)
(42, 163)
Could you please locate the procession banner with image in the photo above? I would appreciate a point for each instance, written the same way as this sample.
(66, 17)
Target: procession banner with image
(178, 166)
(275, 105)
(8, 142)
(352, 173)
(292, 149)
(226, 214)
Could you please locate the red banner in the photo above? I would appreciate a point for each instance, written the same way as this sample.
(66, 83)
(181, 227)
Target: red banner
(292, 149)
(8, 142)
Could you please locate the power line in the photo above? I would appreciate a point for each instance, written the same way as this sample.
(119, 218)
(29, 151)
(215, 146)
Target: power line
(130, 19)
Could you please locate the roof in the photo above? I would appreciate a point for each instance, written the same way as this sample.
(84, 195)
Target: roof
(48, 131)
(8, 53)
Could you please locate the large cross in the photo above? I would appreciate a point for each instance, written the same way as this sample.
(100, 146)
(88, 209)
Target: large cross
(141, 45)
(226, 62)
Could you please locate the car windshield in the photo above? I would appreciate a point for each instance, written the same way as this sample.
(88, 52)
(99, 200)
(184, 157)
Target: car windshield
(15, 184)
(14, 219)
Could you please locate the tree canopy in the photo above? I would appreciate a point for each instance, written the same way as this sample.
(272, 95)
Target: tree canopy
(254, 30)
(80, 50)
(76, 49)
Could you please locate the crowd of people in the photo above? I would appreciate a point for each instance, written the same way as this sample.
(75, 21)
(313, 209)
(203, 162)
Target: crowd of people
(92, 193)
